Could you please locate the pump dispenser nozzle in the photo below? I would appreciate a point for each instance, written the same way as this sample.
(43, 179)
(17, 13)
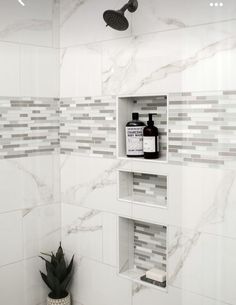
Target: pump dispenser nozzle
(150, 122)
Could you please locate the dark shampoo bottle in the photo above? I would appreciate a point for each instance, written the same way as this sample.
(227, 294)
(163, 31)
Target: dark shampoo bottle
(134, 137)
(151, 140)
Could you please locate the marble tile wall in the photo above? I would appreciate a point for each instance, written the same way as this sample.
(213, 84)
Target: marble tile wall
(170, 47)
(30, 209)
(29, 223)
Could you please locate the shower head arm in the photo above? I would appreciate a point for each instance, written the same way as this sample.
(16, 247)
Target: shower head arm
(131, 6)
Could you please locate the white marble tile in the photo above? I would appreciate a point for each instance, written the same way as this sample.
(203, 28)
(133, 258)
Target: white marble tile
(39, 74)
(11, 238)
(35, 181)
(82, 231)
(82, 21)
(96, 283)
(42, 229)
(203, 200)
(110, 250)
(203, 264)
(22, 284)
(156, 15)
(12, 285)
(10, 69)
(31, 24)
(175, 296)
(81, 71)
(92, 183)
(199, 58)
(35, 291)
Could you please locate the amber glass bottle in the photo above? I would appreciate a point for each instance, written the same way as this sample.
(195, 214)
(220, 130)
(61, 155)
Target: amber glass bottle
(151, 145)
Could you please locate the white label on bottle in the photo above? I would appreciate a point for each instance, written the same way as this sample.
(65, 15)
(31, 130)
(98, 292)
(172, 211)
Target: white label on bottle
(149, 144)
(134, 141)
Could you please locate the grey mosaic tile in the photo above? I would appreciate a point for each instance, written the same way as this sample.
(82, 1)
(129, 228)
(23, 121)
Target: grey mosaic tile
(150, 246)
(28, 127)
(150, 188)
(202, 129)
(88, 126)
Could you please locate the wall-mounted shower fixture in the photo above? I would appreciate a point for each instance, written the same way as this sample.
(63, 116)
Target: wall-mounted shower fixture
(117, 19)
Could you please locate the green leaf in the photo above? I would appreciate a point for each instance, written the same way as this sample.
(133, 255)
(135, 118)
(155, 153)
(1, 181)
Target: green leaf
(65, 283)
(46, 254)
(50, 268)
(44, 259)
(70, 265)
(45, 279)
(60, 253)
(61, 270)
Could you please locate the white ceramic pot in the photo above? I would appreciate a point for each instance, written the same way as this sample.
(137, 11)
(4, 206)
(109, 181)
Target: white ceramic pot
(65, 301)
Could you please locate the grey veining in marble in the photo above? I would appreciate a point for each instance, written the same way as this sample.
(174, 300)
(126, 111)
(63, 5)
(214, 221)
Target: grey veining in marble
(45, 191)
(183, 64)
(30, 24)
(69, 8)
(214, 214)
(79, 225)
(105, 179)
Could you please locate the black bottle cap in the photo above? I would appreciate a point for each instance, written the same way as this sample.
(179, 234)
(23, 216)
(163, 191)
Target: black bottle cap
(135, 116)
(150, 122)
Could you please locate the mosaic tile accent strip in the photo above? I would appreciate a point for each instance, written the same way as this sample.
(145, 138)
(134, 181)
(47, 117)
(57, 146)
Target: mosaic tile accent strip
(150, 247)
(158, 105)
(149, 188)
(88, 126)
(28, 127)
(202, 129)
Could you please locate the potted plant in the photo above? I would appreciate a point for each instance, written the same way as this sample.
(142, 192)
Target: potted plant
(57, 277)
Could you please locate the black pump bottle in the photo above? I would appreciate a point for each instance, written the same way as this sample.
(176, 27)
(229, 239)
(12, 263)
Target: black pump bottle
(151, 140)
(134, 137)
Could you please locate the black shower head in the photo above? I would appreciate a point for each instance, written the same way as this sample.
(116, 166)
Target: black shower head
(117, 19)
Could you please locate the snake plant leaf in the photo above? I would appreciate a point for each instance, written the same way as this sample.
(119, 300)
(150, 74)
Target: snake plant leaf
(45, 279)
(44, 259)
(60, 253)
(65, 283)
(69, 268)
(61, 270)
(58, 274)
(50, 268)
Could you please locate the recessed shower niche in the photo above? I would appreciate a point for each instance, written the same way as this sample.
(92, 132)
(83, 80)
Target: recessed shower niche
(142, 247)
(143, 105)
(143, 188)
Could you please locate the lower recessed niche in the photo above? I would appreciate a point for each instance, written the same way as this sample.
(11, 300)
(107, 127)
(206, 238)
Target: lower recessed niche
(142, 247)
(143, 188)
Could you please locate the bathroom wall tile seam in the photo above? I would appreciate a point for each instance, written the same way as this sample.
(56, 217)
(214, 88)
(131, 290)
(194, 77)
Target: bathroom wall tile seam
(132, 215)
(18, 261)
(133, 35)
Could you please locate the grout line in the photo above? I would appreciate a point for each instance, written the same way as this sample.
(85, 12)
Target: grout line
(31, 208)
(131, 216)
(18, 261)
(133, 36)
